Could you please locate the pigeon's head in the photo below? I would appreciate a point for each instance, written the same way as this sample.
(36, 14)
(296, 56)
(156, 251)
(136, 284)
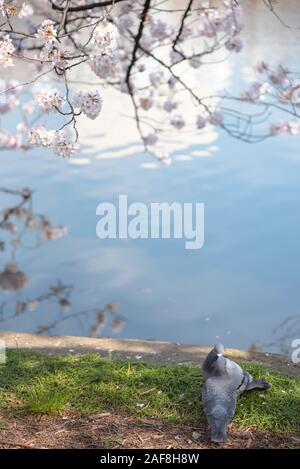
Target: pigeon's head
(218, 421)
(218, 350)
(219, 433)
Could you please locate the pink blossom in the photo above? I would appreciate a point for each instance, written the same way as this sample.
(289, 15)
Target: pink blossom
(293, 127)
(58, 58)
(216, 118)
(47, 31)
(41, 137)
(7, 50)
(105, 36)
(26, 10)
(104, 66)
(62, 145)
(177, 121)
(156, 78)
(201, 122)
(278, 128)
(146, 102)
(88, 102)
(51, 233)
(160, 29)
(9, 140)
(146, 42)
(28, 107)
(49, 100)
(125, 23)
(163, 157)
(127, 7)
(169, 105)
(151, 139)
(280, 76)
(234, 44)
(9, 104)
(256, 90)
(175, 56)
(172, 82)
(262, 67)
(195, 62)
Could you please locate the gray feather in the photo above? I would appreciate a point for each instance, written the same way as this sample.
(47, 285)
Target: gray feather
(224, 380)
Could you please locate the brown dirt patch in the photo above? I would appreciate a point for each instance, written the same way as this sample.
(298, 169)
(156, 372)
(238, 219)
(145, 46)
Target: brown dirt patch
(117, 431)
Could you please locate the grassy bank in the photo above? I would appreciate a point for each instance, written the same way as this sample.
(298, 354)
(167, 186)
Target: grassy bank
(89, 385)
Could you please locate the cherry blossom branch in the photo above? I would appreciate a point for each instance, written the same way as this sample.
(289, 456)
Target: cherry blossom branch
(132, 47)
(89, 6)
(270, 5)
(186, 12)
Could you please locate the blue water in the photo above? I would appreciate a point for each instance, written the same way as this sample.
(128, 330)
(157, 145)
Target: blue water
(241, 285)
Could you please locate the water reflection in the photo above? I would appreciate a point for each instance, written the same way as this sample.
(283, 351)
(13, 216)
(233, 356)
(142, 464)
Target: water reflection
(11, 278)
(285, 333)
(17, 219)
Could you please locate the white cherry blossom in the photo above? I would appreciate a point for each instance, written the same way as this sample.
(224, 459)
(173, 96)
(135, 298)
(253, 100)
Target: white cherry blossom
(47, 31)
(163, 157)
(62, 145)
(151, 139)
(41, 137)
(49, 100)
(177, 121)
(7, 50)
(200, 122)
(104, 65)
(88, 102)
(234, 44)
(105, 36)
(26, 10)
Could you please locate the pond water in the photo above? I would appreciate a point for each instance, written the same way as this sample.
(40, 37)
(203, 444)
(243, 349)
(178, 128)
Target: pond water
(238, 288)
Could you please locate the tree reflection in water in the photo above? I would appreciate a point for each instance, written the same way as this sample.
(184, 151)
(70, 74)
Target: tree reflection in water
(284, 334)
(17, 221)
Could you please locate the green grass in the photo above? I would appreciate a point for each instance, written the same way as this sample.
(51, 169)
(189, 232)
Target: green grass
(90, 384)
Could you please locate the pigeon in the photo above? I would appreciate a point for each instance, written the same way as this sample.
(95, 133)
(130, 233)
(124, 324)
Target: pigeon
(224, 380)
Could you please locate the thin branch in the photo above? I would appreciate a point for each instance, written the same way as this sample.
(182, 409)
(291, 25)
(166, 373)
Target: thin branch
(89, 6)
(177, 38)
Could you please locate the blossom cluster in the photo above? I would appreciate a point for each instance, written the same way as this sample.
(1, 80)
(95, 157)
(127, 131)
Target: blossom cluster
(9, 140)
(277, 85)
(290, 127)
(57, 140)
(49, 100)
(7, 50)
(47, 31)
(105, 36)
(88, 102)
(153, 86)
(103, 57)
(109, 57)
(10, 9)
(52, 51)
